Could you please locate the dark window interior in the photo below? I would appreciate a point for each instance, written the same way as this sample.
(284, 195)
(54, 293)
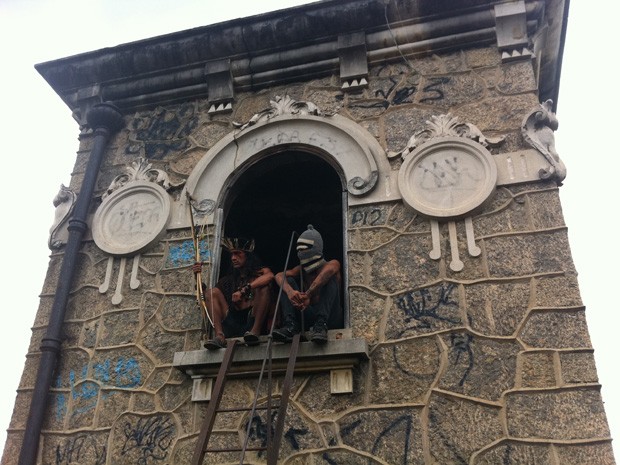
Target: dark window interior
(280, 194)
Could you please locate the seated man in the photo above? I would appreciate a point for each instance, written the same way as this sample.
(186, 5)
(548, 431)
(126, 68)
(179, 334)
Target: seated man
(239, 302)
(310, 293)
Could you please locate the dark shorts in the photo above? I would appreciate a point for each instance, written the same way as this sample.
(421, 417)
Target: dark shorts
(237, 322)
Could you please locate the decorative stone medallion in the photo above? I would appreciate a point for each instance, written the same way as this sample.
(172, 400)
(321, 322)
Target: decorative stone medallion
(132, 218)
(447, 177)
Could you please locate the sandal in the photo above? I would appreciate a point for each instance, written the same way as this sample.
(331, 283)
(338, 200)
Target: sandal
(216, 343)
(250, 338)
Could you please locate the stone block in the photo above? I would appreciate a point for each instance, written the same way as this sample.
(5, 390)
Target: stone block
(557, 415)
(600, 453)
(578, 367)
(517, 453)
(562, 329)
(557, 291)
(113, 404)
(377, 431)
(418, 312)
(537, 370)
(458, 427)
(479, 367)
(119, 328)
(497, 309)
(404, 372)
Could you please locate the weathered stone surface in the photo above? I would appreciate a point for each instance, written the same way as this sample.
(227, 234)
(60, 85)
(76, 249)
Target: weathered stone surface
(458, 427)
(113, 404)
(517, 77)
(431, 309)
(557, 291)
(118, 328)
(369, 239)
(481, 57)
(340, 456)
(176, 280)
(586, 454)
(172, 396)
(517, 453)
(566, 414)
(86, 304)
(537, 370)
(404, 372)
(366, 312)
(330, 101)
(543, 252)
(403, 122)
(402, 264)
(479, 367)
(546, 209)
(180, 312)
(504, 214)
(497, 309)
(161, 343)
(507, 112)
(578, 367)
(144, 402)
(317, 399)
(89, 334)
(556, 329)
(403, 218)
(158, 377)
(206, 135)
(377, 432)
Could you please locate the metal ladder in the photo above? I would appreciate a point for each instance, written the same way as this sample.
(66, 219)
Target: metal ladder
(273, 440)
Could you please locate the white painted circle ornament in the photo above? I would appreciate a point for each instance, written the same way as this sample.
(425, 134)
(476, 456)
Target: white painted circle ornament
(131, 219)
(447, 177)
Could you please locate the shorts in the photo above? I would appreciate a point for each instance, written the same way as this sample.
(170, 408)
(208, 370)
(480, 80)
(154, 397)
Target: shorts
(237, 322)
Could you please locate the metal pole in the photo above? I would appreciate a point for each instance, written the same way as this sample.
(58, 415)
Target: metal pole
(105, 120)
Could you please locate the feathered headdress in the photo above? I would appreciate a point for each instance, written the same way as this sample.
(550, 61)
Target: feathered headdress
(238, 243)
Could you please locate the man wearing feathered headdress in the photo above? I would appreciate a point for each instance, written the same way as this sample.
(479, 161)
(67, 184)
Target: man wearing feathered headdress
(239, 302)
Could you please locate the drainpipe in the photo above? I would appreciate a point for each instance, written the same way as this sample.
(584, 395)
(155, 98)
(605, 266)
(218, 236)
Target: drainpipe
(105, 120)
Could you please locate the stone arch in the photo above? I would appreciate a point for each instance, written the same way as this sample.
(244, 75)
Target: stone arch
(353, 151)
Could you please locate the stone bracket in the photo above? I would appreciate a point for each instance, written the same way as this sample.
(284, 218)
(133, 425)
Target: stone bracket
(220, 86)
(353, 61)
(86, 98)
(511, 31)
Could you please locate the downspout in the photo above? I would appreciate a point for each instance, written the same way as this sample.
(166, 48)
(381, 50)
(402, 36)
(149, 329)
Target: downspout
(105, 120)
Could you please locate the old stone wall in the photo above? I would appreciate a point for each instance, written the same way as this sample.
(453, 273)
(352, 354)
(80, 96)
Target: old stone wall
(491, 364)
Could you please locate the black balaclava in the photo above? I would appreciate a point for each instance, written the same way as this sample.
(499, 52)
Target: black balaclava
(310, 249)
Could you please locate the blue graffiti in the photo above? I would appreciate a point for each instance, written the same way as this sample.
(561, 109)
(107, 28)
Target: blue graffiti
(183, 253)
(123, 373)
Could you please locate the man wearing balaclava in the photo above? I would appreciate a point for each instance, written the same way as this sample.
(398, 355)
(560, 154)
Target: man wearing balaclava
(310, 292)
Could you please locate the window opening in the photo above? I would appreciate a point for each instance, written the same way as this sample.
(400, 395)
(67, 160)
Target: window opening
(283, 193)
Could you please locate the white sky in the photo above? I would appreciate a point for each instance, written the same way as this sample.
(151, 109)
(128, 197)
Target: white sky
(40, 140)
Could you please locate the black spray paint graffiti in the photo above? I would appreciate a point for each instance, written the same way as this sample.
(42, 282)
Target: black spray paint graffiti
(434, 89)
(402, 421)
(460, 345)
(78, 450)
(367, 218)
(421, 307)
(151, 437)
(259, 432)
(430, 92)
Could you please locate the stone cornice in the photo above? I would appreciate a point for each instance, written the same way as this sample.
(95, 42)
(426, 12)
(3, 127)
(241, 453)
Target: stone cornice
(290, 45)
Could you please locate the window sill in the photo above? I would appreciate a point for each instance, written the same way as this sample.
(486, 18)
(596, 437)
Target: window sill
(341, 352)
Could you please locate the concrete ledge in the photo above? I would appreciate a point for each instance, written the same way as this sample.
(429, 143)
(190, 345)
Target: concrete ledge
(336, 354)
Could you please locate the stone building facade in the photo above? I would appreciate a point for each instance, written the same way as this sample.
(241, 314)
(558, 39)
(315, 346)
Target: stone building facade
(418, 138)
